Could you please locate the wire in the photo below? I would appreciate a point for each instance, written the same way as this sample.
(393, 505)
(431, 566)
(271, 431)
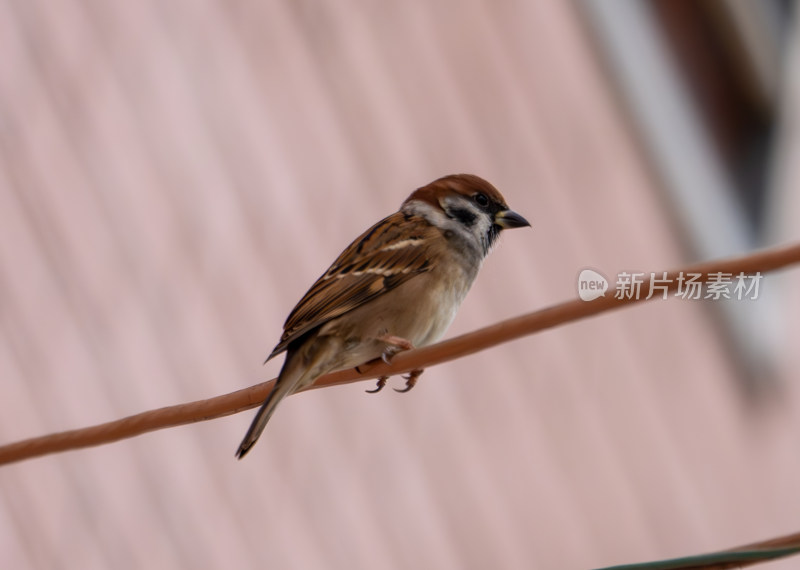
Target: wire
(735, 558)
(227, 404)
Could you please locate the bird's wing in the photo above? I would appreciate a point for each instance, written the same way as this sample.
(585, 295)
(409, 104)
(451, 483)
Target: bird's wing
(388, 254)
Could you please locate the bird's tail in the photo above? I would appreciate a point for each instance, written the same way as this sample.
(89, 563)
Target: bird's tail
(279, 391)
(294, 376)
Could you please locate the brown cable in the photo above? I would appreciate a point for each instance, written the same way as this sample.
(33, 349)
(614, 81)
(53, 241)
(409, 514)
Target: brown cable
(457, 347)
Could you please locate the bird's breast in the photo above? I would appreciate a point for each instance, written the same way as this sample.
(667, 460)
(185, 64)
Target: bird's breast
(420, 311)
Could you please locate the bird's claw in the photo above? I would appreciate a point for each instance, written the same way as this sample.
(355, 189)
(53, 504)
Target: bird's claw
(381, 383)
(411, 380)
(394, 344)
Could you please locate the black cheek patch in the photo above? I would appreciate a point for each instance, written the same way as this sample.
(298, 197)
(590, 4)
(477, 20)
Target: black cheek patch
(464, 216)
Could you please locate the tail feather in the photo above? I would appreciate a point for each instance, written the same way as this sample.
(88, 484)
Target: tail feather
(301, 369)
(278, 393)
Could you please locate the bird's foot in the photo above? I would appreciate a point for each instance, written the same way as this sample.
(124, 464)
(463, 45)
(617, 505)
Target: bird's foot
(394, 344)
(411, 380)
(381, 383)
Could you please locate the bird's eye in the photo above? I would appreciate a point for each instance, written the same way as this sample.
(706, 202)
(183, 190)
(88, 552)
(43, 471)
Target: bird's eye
(481, 199)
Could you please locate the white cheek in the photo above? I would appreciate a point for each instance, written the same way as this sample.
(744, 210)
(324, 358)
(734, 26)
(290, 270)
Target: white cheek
(432, 214)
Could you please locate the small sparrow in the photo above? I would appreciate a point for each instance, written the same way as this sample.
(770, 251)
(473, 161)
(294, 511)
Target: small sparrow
(397, 286)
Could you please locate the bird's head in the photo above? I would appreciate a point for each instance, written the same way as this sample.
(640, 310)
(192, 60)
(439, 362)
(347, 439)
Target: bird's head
(467, 205)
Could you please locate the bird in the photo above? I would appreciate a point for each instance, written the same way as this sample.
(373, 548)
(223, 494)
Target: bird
(396, 287)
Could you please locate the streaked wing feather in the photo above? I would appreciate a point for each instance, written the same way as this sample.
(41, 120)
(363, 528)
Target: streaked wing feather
(388, 254)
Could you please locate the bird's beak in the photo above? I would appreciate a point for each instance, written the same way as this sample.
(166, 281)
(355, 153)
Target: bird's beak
(507, 219)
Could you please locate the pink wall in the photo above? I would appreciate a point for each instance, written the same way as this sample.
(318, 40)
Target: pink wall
(174, 175)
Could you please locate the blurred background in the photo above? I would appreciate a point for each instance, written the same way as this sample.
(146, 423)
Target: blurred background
(175, 175)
